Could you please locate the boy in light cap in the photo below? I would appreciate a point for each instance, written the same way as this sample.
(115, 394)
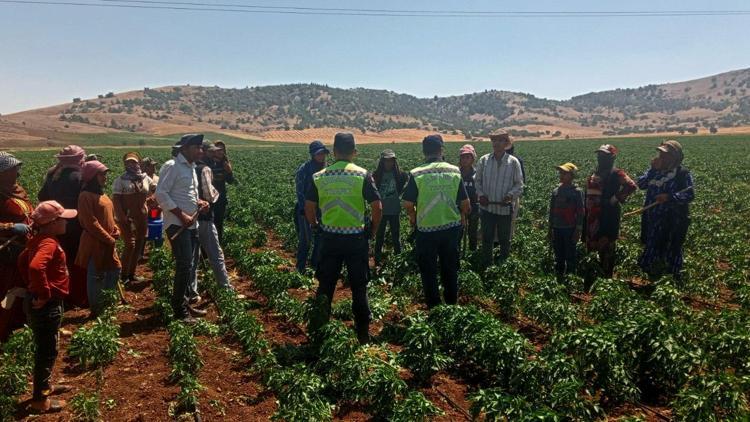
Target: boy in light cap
(565, 220)
(44, 269)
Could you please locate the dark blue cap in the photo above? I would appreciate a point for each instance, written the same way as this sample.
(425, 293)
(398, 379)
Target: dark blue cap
(432, 144)
(191, 139)
(344, 143)
(316, 147)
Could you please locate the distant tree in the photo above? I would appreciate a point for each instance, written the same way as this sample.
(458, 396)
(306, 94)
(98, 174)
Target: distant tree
(109, 95)
(100, 96)
(713, 129)
(76, 100)
(692, 130)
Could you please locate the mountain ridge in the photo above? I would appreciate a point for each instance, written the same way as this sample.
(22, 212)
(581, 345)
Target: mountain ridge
(304, 110)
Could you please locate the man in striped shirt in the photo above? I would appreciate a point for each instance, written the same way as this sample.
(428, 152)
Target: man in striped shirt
(499, 181)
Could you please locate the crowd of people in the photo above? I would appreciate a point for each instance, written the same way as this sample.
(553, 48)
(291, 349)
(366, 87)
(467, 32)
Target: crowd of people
(63, 252)
(477, 201)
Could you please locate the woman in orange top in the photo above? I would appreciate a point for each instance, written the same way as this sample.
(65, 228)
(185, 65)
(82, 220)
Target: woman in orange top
(97, 250)
(15, 209)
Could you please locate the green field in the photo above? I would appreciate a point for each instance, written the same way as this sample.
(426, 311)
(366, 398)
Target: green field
(524, 347)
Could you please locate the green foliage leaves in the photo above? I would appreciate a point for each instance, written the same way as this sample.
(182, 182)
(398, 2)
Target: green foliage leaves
(96, 345)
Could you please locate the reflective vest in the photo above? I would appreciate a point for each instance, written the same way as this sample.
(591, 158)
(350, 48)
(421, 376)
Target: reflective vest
(340, 198)
(437, 185)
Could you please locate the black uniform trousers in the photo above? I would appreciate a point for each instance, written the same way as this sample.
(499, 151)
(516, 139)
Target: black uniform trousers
(442, 246)
(352, 250)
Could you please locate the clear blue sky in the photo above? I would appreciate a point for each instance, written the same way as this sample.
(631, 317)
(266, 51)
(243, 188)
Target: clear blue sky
(50, 54)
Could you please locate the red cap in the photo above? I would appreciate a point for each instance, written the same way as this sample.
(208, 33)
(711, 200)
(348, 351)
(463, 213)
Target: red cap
(49, 211)
(91, 169)
(467, 149)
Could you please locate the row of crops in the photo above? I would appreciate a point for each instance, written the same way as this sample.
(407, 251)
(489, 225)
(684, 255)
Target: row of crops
(525, 346)
(531, 348)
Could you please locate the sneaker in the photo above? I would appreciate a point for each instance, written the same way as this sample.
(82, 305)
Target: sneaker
(189, 320)
(137, 279)
(240, 296)
(196, 312)
(194, 300)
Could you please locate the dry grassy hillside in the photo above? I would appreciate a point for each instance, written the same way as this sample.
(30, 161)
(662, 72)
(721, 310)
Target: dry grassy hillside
(306, 111)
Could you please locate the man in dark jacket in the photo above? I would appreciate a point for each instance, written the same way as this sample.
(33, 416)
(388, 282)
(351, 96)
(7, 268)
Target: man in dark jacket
(390, 181)
(302, 180)
(221, 168)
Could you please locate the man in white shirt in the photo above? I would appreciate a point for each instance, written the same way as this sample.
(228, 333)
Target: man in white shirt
(499, 182)
(177, 194)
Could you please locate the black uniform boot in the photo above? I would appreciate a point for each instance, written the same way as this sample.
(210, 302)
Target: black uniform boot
(363, 333)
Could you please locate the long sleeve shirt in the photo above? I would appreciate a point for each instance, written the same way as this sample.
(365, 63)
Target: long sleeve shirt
(47, 270)
(566, 208)
(303, 179)
(177, 188)
(498, 178)
(206, 190)
(673, 183)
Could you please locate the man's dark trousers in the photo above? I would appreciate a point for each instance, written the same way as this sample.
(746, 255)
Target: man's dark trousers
(490, 222)
(219, 210)
(352, 250)
(565, 250)
(395, 222)
(183, 249)
(442, 246)
(45, 323)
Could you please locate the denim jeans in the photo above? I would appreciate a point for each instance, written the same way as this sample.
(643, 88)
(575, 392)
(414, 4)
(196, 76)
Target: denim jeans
(183, 250)
(45, 323)
(490, 223)
(306, 236)
(565, 250)
(208, 238)
(98, 281)
(433, 247)
(395, 222)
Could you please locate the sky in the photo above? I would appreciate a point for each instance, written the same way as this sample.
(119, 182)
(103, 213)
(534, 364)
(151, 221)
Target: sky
(50, 54)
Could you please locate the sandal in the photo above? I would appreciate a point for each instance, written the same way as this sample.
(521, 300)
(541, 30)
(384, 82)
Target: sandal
(60, 389)
(54, 407)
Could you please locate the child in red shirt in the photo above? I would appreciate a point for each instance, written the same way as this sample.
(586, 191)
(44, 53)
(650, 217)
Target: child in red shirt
(45, 271)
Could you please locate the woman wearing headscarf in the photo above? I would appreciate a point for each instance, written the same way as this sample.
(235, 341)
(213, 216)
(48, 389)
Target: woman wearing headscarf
(97, 252)
(606, 190)
(15, 221)
(390, 181)
(129, 194)
(664, 226)
(63, 184)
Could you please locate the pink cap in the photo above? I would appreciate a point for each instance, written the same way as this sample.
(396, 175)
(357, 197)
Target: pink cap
(49, 211)
(91, 169)
(467, 149)
(71, 151)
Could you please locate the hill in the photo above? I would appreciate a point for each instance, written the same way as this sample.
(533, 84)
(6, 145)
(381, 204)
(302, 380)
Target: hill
(305, 111)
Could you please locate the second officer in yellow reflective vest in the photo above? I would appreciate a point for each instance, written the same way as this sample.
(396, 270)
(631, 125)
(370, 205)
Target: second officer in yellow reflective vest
(341, 192)
(437, 204)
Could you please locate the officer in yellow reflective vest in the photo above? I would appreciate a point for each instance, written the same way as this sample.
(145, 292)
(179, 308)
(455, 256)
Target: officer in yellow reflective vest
(341, 192)
(435, 199)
